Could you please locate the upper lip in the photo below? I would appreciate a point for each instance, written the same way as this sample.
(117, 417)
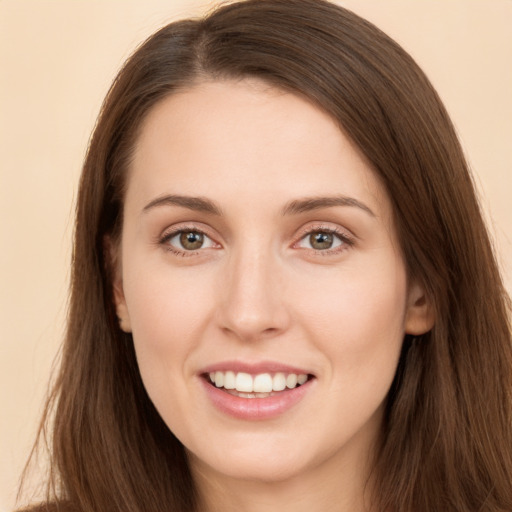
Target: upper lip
(254, 368)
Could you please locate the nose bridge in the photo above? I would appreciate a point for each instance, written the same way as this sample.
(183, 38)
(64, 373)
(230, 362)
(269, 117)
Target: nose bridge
(253, 304)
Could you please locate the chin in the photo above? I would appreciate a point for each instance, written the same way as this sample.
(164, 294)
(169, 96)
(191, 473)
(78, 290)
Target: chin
(256, 465)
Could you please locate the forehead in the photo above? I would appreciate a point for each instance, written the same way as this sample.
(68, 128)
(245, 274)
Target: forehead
(230, 139)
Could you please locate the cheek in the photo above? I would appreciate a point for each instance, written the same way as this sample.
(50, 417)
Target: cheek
(167, 312)
(356, 321)
(357, 318)
(163, 302)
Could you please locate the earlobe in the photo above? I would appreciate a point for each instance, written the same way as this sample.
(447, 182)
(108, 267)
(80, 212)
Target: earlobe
(420, 316)
(121, 308)
(112, 253)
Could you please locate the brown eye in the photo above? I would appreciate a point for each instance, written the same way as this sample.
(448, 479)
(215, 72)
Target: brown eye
(321, 240)
(188, 242)
(191, 240)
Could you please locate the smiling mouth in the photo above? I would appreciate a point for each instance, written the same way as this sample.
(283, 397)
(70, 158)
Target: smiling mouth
(262, 385)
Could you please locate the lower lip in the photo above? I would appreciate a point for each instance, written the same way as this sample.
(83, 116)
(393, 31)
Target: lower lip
(254, 409)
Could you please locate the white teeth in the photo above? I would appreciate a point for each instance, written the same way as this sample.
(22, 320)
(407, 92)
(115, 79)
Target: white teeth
(279, 382)
(257, 386)
(291, 381)
(243, 382)
(262, 383)
(301, 379)
(219, 379)
(229, 380)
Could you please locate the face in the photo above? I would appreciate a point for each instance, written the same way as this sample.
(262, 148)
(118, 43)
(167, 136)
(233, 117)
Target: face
(261, 277)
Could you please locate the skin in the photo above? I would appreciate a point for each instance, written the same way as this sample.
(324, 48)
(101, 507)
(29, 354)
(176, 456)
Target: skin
(258, 290)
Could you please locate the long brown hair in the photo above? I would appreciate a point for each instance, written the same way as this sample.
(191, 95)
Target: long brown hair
(447, 434)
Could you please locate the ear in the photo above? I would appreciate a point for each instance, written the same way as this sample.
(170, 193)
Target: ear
(112, 253)
(420, 316)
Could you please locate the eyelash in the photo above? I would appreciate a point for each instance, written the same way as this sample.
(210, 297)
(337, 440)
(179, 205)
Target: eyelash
(346, 240)
(164, 240)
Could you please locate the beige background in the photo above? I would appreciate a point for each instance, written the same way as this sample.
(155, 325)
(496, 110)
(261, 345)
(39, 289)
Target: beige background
(57, 59)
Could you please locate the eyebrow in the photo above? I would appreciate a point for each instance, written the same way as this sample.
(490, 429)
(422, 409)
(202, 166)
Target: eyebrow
(316, 203)
(199, 204)
(295, 207)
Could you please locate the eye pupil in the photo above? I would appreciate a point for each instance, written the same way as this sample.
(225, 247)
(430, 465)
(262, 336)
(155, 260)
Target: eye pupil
(321, 240)
(191, 240)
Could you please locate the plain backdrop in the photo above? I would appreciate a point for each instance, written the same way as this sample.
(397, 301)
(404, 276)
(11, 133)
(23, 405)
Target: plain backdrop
(57, 60)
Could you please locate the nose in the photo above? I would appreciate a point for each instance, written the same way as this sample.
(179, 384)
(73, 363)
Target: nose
(252, 305)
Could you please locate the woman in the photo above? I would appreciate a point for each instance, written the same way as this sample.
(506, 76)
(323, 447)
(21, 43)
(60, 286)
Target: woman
(283, 293)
